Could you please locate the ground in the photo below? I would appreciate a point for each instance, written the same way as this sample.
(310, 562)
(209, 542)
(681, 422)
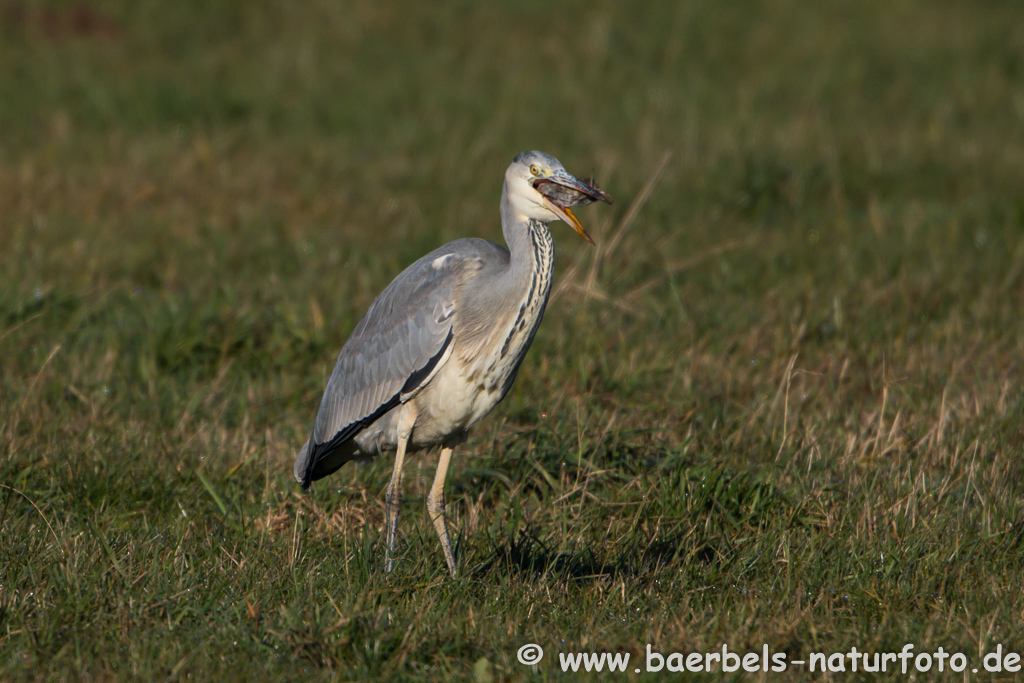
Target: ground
(779, 404)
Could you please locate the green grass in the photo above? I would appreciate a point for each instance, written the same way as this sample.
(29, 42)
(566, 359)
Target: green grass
(781, 403)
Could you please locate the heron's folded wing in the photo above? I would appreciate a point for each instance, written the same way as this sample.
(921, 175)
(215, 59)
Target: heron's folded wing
(393, 350)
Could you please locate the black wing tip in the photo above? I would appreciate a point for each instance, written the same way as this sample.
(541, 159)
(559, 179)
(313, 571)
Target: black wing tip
(316, 453)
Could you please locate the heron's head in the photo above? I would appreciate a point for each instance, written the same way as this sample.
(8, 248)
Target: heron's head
(538, 186)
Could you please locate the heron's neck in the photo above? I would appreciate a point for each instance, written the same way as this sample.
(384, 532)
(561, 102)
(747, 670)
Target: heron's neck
(521, 291)
(532, 255)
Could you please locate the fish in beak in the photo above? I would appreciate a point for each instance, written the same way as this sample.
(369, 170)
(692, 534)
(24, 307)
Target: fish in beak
(560, 191)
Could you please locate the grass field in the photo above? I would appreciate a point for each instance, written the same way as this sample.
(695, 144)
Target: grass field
(781, 403)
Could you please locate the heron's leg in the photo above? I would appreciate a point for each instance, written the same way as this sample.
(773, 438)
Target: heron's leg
(435, 507)
(393, 500)
(393, 493)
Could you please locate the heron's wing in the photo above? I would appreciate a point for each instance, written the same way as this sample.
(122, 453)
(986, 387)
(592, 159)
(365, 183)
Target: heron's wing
(393, 351)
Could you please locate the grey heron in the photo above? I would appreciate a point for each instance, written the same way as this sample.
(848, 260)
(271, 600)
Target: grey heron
(441, 345)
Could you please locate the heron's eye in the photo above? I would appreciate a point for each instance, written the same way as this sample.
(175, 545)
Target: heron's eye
(534, 170)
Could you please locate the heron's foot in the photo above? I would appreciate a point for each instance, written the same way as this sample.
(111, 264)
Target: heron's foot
(446, 546)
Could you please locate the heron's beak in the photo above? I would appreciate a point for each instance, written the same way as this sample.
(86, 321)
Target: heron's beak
(565, 180)
(566, 215)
